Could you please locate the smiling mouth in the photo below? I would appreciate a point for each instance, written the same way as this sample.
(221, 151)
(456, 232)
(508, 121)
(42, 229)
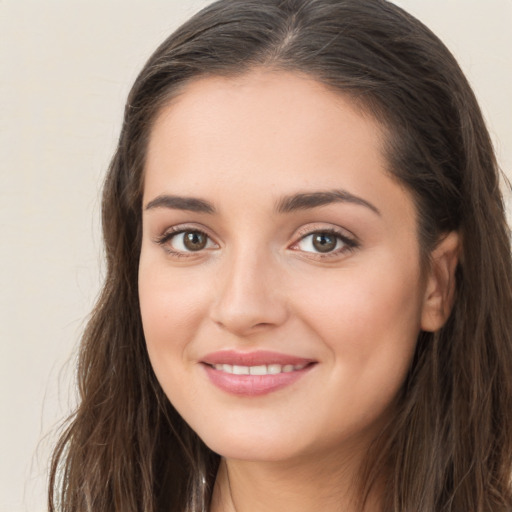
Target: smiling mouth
(263, 369)
(256, 373)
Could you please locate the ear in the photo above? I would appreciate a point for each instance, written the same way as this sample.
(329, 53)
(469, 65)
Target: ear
(440, 284)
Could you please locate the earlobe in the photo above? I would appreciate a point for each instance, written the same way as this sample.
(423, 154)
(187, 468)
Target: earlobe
(440, 285)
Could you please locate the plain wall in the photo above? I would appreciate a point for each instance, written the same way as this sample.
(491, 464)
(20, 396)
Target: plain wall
(66, 67)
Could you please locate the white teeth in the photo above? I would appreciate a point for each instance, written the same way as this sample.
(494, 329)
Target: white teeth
(270, 369)
(240, 370)
(258, 370)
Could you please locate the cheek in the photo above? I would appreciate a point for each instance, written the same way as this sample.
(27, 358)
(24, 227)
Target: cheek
(369, 319)
(172, 310)
(368, 299)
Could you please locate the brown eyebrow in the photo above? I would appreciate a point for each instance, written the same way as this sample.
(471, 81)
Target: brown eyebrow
(288, 204)
(191, 204)
(306, 200)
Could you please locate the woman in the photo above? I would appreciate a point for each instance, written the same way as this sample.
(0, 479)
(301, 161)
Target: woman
(309, 277)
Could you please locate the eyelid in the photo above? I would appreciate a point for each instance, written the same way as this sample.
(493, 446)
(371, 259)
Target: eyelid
(180, 228)
(317, 227)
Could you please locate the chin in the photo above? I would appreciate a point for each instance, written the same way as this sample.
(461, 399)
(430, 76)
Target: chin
(253, 452)
(251, 447)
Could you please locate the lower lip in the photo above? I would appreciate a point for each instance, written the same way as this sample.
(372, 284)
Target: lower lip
(253, 385)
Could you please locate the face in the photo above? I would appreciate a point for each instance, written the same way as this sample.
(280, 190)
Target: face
(280, 283)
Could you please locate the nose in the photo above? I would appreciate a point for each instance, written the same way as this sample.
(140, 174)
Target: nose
(249, 296)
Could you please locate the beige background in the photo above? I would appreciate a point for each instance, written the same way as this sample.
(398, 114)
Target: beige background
(66, 67)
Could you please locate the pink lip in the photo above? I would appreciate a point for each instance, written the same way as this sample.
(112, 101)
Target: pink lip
(253, 385)
(253, 358)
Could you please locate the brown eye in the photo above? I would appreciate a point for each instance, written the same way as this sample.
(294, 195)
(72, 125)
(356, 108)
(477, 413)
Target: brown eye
(328, 243)
(194, 240)
(186, 241)
(324, 242)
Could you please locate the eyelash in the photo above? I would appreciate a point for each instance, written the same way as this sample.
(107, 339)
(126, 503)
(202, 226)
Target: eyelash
(349, 244)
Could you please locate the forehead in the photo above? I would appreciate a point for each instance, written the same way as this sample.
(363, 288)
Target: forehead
(267, 99)
(272, 120)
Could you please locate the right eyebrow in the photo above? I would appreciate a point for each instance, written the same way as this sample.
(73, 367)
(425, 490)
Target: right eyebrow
(307, 200)
(191, 204)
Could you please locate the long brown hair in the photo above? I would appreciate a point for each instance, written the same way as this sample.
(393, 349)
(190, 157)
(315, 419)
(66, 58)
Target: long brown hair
(449, 445)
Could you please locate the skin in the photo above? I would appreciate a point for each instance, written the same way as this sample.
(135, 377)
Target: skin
(243, 144)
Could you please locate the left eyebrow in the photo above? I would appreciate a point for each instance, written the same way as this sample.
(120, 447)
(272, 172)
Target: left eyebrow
(307, 200)
(191, 204)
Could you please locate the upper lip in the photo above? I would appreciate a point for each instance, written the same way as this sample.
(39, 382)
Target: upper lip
(257, 358)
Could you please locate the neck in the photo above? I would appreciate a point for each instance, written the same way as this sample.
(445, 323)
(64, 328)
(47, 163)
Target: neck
(294, 486)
